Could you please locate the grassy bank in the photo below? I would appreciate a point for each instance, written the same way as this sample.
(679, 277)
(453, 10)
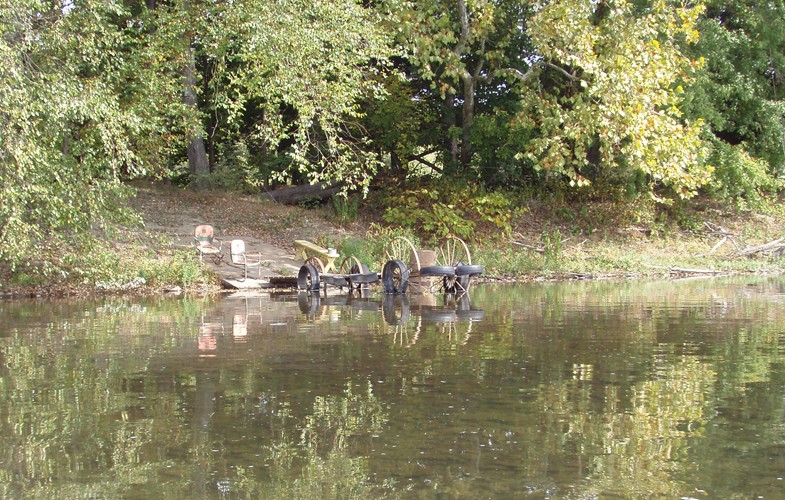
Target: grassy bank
(559, 240)
(534, 239)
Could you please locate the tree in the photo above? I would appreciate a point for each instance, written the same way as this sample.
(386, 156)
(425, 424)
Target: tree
(603, 92)
(457, 48)
(99, 91)
(67, 130)
(300, 70)
(739, 93)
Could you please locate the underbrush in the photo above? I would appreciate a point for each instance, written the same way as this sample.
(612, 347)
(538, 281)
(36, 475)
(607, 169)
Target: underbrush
(554, 236)
(108, 266)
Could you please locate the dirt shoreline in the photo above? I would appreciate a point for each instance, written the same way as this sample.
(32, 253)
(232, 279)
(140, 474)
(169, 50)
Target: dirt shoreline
(170, 213)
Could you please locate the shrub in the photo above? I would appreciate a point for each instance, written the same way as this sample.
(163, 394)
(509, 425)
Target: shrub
(345, 208)
(423, 211)
(741, 178)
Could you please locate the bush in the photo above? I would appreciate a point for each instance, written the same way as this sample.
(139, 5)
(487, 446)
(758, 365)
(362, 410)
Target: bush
(741, 178)
(345, 208)
(180, 269)
(441, 209)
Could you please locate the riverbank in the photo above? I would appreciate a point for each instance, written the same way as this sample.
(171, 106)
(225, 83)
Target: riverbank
(548, 241)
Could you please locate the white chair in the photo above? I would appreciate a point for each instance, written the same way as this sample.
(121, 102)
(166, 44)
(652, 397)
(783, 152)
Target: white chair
(247, 260)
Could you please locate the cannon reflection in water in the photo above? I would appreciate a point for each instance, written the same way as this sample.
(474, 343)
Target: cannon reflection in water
(405, 315)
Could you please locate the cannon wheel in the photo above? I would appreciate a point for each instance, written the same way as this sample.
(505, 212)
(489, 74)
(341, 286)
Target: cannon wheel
(453, 252)
(355, 272)
(402, 249)
(352, 265)
(308, 278)
(395, 277)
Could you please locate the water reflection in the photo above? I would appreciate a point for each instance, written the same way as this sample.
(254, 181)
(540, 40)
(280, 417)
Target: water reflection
(396, 309)
(567, 390)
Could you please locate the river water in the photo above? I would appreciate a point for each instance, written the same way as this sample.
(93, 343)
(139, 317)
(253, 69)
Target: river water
(571, 390)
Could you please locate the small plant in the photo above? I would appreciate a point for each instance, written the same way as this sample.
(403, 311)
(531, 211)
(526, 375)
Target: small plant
(494, 208)
(310, 203)
(179, 269)
(346, 208)
(24, 279)
(742, 178)
(553, 241)
(507, 262)
(362, 249)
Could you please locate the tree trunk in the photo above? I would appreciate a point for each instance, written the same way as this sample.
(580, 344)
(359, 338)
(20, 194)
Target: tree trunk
(468, 117)
(197, 154)
(449, 122)
(296, 194)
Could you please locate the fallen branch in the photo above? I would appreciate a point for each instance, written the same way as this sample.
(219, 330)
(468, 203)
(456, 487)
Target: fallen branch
(681, 270)
(775, 246)
(718, 245)
(718, 230)
(530, 247)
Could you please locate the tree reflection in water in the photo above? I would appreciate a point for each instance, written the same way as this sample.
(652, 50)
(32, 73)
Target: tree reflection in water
(569, 390)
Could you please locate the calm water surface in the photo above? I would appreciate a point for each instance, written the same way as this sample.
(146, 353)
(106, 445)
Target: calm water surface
(671, 389)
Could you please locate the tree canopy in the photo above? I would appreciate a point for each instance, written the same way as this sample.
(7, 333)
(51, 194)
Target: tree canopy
(656, 96)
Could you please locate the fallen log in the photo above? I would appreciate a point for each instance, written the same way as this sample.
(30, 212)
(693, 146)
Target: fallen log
(526, 245)
(293, 195)
(682, 270)
(775, 246)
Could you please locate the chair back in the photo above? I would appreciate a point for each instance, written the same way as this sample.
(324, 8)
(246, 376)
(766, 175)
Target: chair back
(204, 234)
(238, 251)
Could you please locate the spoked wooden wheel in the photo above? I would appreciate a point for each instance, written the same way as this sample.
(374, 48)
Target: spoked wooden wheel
(352, 265)
(453, 252)
(317, 263)
(403, 249)
(356, 273)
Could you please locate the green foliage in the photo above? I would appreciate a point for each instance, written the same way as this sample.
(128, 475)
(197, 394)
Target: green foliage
(459, 55)
(539, 95)
(421, 210)
(738, 91)
(346, 208)
(179, 269)
(235, 170)
(506, 261)
(301, 68)
(137, 266)
(497, 143)
(742, 178)
(606, 91)
(71, 125)
(365, 249)
(493, 208)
